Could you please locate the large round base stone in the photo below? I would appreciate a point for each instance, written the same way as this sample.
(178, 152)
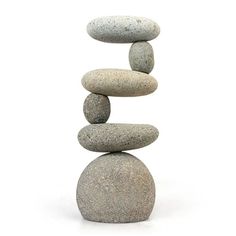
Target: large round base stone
(116, 188)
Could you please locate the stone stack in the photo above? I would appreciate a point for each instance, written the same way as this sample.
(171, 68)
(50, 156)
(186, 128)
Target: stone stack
(117, 187)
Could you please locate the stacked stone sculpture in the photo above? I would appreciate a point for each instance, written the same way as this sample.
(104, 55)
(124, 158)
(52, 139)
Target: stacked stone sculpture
(117, 187)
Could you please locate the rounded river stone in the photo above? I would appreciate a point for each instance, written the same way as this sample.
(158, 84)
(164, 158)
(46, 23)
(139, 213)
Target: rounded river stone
(116, 188)
(96, 108)
(123, 29)
(118, 82)
(141, 57)
(116, 137)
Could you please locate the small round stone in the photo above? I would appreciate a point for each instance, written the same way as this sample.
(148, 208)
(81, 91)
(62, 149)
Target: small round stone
(123, 29)
(96, 108)
(116, 188)
(141, 57)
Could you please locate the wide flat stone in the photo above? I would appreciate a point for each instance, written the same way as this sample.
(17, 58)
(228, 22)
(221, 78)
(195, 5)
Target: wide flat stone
(116, 188)
(116, 137)
(118, 82)
(123, 29)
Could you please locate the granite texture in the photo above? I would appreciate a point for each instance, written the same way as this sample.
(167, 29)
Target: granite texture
(96, 108)
(141, 57)
(118, 82)
(123, 29)
(116, 188)
(116, 137)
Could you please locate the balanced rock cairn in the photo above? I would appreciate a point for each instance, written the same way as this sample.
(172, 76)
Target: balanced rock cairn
(117, 187)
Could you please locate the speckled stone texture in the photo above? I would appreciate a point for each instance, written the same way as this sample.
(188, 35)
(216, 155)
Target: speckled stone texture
(118, 82)
(123, 29)
(116, 137)
(141, 57)
(96, 108)
(116, 188)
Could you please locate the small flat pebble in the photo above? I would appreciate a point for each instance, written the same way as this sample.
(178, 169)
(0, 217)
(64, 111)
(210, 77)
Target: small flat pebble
(96, 108)
(116, 188)
(141, 57)
(117, 82)
(116, 137)
(123, 29)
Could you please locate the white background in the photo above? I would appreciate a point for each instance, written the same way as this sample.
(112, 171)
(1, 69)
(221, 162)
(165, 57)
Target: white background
(44, 52)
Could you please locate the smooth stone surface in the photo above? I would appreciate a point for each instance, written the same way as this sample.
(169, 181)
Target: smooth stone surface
(96, 108)
(117, 82)
(123, 29)
(141, 57)
(116, 137)
(116, 188)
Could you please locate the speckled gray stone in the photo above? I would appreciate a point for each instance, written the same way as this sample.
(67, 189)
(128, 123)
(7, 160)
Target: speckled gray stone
(123, 29)
(141, 57)
(96, 108)
(116, 137)
(118, 82)
(116, 188)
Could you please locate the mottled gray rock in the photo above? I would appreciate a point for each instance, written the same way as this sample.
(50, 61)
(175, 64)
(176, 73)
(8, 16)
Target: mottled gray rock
(123, 29)
(120, 83)
(116, 188)
(141, 57)
(116, 137)
(96, 108)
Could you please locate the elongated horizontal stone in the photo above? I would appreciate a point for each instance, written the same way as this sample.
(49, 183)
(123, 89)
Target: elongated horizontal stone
(116, 137)
(120, 83)
(123, 29)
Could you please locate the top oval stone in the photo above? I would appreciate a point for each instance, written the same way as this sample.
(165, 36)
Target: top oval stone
(123, 29)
